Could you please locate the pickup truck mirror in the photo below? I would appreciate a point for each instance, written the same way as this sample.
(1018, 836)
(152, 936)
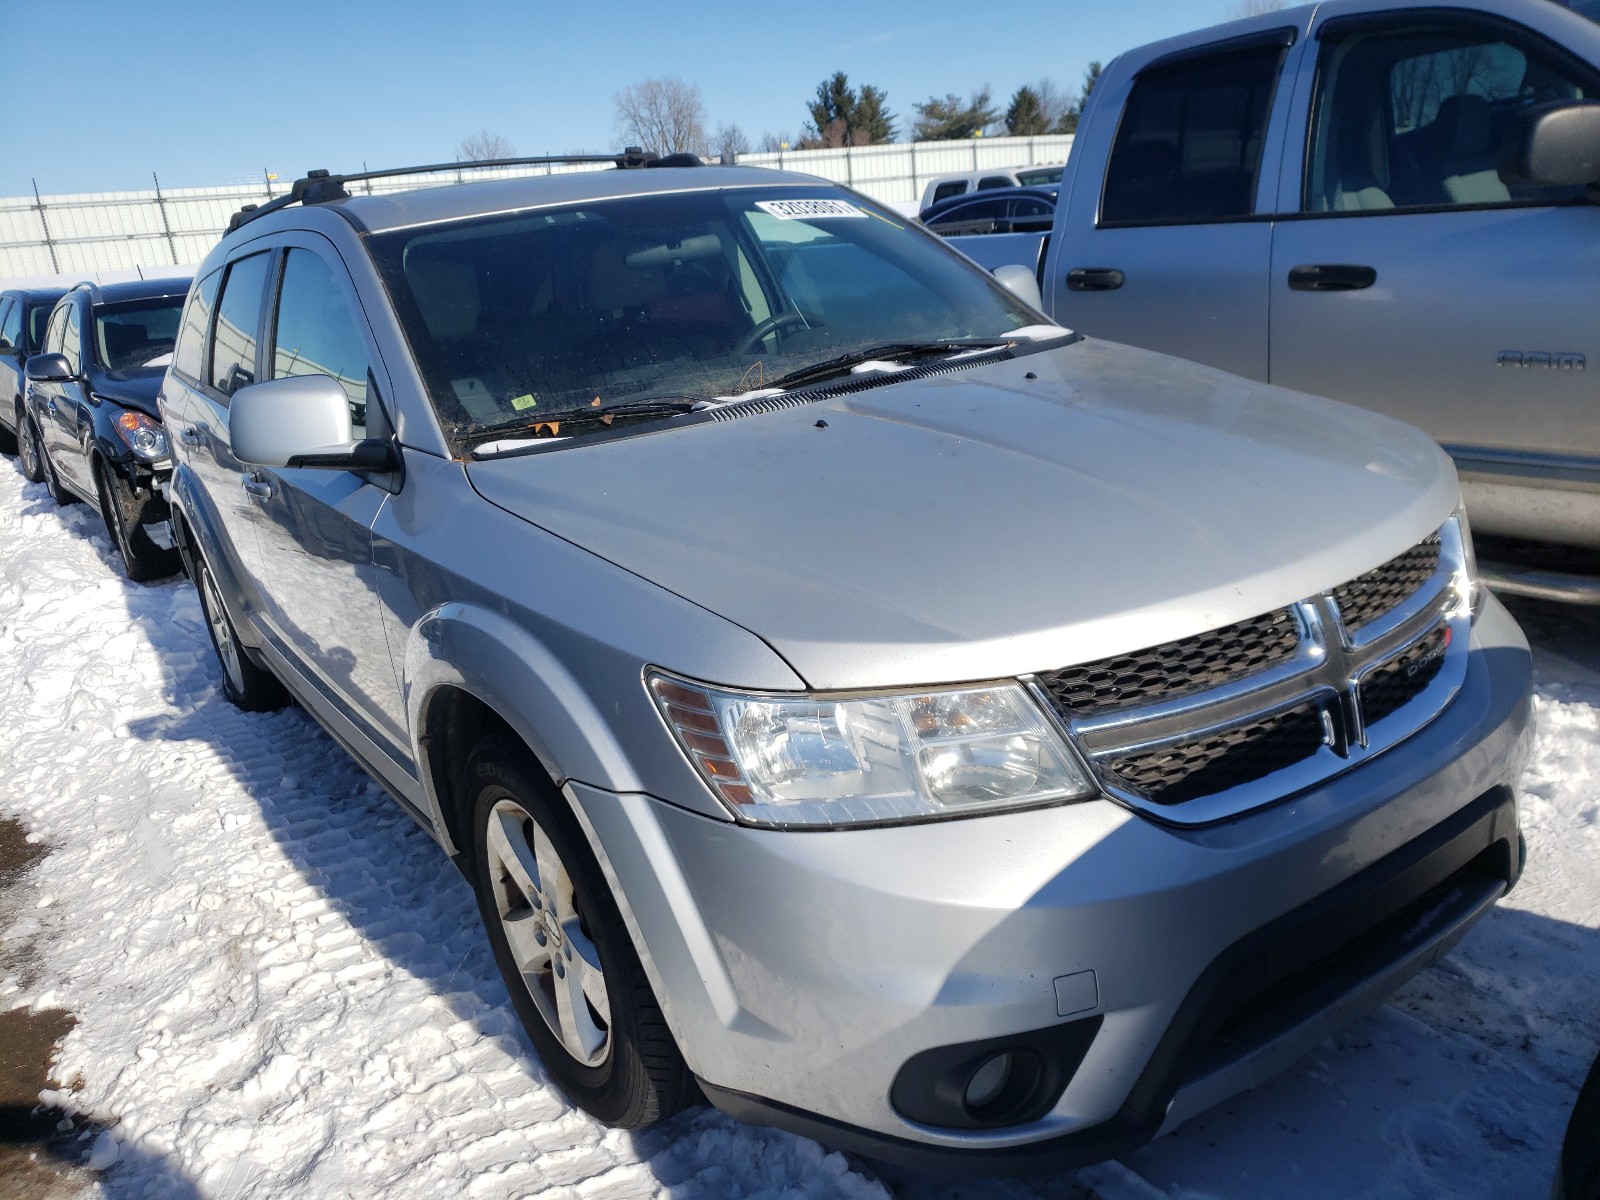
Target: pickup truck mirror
(301, 421)
(48, 368)
(1553, 145)
(1021, 283)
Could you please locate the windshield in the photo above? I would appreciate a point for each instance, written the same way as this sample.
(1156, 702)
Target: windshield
(522, 318)
(136, 334)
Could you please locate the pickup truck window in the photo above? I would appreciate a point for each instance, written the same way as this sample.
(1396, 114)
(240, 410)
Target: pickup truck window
(1189, 145)
(1412, 115)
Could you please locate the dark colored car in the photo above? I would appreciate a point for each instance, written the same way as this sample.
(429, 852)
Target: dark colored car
(23, 312)
(997, 210)
(92, 427)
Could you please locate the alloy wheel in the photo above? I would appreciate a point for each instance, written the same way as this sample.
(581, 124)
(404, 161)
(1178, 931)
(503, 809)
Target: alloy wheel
(558, 961)
(221, 630)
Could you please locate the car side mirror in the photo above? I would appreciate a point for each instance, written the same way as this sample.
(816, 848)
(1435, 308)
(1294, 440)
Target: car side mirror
(1021, 283)
(302, 421)
(1553, 145)
(48, 368)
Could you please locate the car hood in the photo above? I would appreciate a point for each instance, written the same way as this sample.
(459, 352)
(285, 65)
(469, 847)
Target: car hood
(133, 389)
(1057, 508)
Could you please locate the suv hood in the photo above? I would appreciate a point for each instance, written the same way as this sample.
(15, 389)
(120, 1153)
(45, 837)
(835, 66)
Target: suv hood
(1057, 508)
(136, 388)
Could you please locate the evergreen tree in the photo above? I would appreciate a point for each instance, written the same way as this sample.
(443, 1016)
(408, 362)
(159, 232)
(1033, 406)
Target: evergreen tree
(1026, 116)
(1069, 119)
(840, 116)
(951, 117)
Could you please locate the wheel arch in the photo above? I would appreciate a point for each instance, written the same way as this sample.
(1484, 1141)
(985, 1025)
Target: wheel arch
(468, 672)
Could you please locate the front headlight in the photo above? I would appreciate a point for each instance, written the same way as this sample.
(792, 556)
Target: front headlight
(822, 760)
(143, 436)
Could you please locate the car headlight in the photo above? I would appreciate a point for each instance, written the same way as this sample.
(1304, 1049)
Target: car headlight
(821, 760)
(144, 436)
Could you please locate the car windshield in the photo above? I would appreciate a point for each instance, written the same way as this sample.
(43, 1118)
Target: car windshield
(516, 319)
(136, 333)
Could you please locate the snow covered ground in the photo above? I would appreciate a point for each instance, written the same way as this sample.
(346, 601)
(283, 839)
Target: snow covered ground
(282, 990)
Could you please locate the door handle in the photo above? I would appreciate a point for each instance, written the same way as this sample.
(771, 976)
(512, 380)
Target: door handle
(50, 406)
(258, 487)
(190, 436)
(1094, 279)
(1331, 277)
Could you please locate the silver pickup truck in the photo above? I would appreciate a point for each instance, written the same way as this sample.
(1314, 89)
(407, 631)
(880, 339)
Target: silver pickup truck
(1388, 202)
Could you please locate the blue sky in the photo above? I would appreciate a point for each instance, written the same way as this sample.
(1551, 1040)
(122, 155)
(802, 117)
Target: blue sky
(215, 91)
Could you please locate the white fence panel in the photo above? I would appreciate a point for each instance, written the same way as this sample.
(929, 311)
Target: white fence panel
(75, 235)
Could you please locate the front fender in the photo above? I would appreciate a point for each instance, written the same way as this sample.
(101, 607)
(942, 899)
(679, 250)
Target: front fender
(495, 660)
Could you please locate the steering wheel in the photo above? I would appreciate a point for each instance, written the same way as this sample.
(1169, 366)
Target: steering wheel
(777, 321)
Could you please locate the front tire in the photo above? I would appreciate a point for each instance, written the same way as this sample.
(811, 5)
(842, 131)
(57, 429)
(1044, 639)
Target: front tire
(244, 684)
(29, 448)
(126, 513)
(561, 945)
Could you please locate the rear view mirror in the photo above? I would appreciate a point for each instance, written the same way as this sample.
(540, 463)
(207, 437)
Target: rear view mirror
(302, 421)
(1020, 282)
(1553, 145)
(48, 368)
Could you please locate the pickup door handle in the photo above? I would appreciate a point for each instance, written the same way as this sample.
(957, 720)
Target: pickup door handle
(190, 436)
(1331, 277)
(1094, 279)
(258, 487)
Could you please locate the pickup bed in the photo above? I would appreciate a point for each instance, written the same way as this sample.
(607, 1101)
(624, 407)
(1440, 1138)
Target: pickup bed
(1388, 202)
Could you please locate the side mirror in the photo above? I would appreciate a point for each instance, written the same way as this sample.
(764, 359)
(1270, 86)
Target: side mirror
(48, 368)
(302, 421)
(1553, 145)
(1021, 283)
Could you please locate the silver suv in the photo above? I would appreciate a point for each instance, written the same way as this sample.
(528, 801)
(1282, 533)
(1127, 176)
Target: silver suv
(852, 698)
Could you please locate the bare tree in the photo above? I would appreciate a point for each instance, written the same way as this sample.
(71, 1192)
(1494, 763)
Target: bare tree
(665, 115)
(729, 140)
(1253, 8)
(483, 145)
(772, 142)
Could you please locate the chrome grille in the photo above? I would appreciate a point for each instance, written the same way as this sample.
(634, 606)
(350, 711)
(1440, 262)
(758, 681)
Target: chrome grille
(1371, 595)
(1206, 727)
(1390, 687)
(1225, 759)
(1175, 669)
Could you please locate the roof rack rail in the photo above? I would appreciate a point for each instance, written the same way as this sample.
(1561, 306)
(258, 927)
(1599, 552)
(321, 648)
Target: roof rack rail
(320, 187)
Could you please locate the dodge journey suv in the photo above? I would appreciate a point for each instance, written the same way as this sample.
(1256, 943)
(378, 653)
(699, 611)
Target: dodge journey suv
(853, 698)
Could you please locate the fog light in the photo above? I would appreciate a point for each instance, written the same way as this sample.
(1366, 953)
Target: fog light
(988, 1081)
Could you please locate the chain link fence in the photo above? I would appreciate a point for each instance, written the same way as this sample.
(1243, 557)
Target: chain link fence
(105, 234)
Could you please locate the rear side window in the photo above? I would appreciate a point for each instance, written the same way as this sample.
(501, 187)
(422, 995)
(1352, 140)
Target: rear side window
(233, 344)
(994, 181)
(945, 190)
(11, 322)
(1189, 145)
(317, 332)
(188, 358)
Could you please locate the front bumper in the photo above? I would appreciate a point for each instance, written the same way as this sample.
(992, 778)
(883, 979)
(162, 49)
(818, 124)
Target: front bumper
(800, 972)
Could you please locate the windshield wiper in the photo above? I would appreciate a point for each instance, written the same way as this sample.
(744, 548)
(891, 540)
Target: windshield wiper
(888, 351)
(537, 429)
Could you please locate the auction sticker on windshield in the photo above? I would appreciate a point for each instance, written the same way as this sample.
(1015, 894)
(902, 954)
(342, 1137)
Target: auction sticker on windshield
(808, 210)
